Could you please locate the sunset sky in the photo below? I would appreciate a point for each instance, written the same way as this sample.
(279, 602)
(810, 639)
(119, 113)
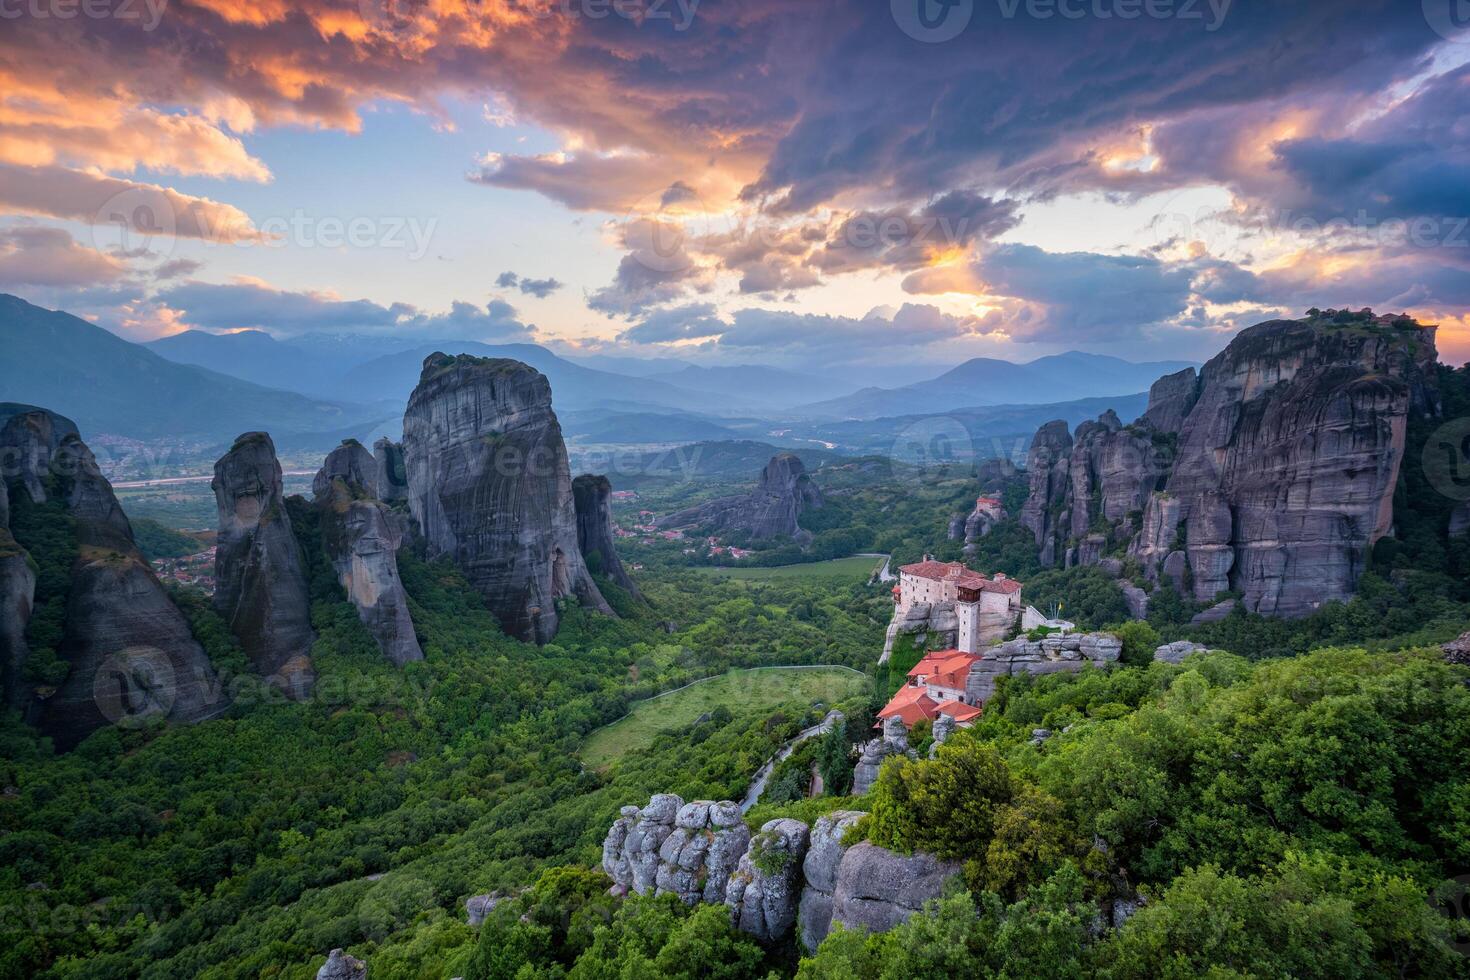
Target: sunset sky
(792, 182)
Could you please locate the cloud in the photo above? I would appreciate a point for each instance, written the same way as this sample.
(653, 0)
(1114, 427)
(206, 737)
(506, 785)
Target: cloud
(31, 255)
(539, 288)
(140, 212)
(803, 336)
(249, 304)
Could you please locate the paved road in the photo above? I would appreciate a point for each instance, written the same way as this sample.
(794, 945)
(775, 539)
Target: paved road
(763, 776)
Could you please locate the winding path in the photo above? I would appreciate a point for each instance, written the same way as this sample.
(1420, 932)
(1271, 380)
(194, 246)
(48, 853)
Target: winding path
(763, 775)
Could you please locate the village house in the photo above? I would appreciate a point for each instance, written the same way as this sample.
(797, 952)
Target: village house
(986, 608)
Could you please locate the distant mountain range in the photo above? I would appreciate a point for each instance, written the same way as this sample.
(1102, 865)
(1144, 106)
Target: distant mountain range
(317, 388)
(110, 386)
(985, 381)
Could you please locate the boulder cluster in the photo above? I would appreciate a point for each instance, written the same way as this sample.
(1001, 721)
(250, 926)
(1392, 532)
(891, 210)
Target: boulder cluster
(785, 876)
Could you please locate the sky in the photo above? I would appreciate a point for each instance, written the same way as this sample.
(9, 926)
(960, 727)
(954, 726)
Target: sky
(806, 183)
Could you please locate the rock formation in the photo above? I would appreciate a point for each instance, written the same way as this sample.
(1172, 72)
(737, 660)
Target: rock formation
(592, 496)
(1049, 655)
(490, 488)
(877, 889)
(785, 875)
(1169, 400)
(1173, 653)
(894, 741)
(341, 966)
(477, 908)
(130, 653)
(392, 478)
(260, 588)
(823, 857)
(1047, 462)
(770, 511)
(1271, 475)
(944, 727)
(17, 595)
(765, 888)
(671, 847)
(1457, 651)
(361, 538)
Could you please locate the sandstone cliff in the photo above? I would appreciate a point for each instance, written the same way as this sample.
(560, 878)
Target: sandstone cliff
(361, 538)
(772, 510)
(1271, 475)
(593, 499)
(260, 588)
(489, 484)
(129, 652)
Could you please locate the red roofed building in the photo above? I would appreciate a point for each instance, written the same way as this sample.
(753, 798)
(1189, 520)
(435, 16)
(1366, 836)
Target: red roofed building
(936, 685)
(986, 607)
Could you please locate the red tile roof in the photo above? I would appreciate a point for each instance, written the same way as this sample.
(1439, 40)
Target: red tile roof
(946, 668)
(959, 711)
(911, 704)
(955, 571)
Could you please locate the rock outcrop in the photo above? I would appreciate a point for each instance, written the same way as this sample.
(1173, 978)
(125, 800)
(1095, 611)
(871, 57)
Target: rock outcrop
(592, 496)
(1049, 655)
(1173, 653)
(1170, 399)
(490, 488)
(670, 847)
(1047, 466)
(130, 653)
(392, 478)
(1457, 651)
(764, 890)
(1271, 475)
(342, 966)
(260, 588)
(361, 538)
(17, 596)
(894, 741)
(823, 857)
(784, 875)
(877, 889)
(770, 511)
